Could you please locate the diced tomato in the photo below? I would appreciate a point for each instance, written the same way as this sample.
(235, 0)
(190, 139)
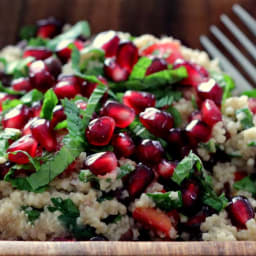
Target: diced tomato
(153, 219)
(169, 51)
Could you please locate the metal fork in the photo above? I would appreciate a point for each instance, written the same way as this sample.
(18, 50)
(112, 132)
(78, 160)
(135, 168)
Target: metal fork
(242, 83)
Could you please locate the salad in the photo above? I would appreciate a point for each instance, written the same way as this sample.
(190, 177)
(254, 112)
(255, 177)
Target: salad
(115, 137)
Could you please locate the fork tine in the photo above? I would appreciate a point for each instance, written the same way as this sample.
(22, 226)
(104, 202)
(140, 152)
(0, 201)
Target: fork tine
(241, 83)
(245, 63)
(240, 36)
(247, 19)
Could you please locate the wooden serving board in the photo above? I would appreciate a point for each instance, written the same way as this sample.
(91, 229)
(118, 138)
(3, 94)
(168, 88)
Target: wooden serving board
(127, 248)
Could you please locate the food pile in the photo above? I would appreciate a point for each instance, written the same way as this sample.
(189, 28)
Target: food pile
(115, 137)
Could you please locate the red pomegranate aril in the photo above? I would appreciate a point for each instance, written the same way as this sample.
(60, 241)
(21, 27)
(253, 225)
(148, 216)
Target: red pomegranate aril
(114, 71)
(39, 53)
(139, 179)
(196, 73)
(48, 28)
(210, 113)
(123, 144)
(21, 84)
(190, 193)
(39, 76)
(240, 211)
(63, 50)
(26, 143)
(27, 128)
(198, 131)
(176, 137)
(3, 97)
(156, 66)
(42, 132)
(101, 163)
(4, 169)
(194, 222)
(165, 168)
(54, 66)
(252, 105)
(35, 109)
(150, 151)
(81, 104)
(67, 87)
(139, 101)
(111, 46)
(100, 131)
(239, 175)
(156, 121)
(58, 115)
(127, 55)
(87, 88)
(16, 117)
(195, 115)
(122, 114)
(210, 90)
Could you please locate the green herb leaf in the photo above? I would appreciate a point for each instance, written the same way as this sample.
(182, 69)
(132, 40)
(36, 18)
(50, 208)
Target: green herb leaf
(32, 213)
(61, 125)
(216, 202)
(79, 29)
(140, 68)
(8, 90)
(50, 101)
(139, 130)
(250, 94)
(185, 166)
(168, 98)
(224, 81)
(28, 32)
(247, 120)
(124, 170)
(252, 144)
(246, 184)
(167, 201)
(37, 41)
(176, 116)
(112, 219)
(75, 58)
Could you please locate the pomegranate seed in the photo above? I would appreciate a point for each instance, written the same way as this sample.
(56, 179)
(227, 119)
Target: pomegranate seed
(127, 55)
(43, 133)
(195, 115)
(81, 104)
(64, 51)
(150, 151)
(111, 46)
(26, 130)
(35, 109)
(176, 136)
(3, 97)
(4, 169)
(87, 88)
(16, 117)
(194, 222)
(39, 53)
(123, 144)
(210, 90)
(139, 179)
(156, 121)
(196, 73)
(210, 113)
(100, 131)
(139, 101)
(165, 168)
(239, 175)
(240, 211)
(156, 66)
(114, 71)
(67, 87)
(26, 143)
(101, 163)
(40, 77)
(198, 131)
(21, 84)
(252, 105)
(54, 66)
(190, 194)
(48, 28)
(122, 114)
(58, 115)
(5, 78)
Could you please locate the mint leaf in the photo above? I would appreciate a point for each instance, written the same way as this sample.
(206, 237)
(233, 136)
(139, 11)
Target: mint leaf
(61, 125)
(139, 130)
(31, 213)
(19, 68)
(216, 202)
(28, 32)
(75, 58)
(247, 120)
(224, 81)
(124, 170)
(167, 98)
(252, 144)
(9, 90)
(37, 41)
(250, 94)
(176, 116)
(79, 29)
(185, 167)
(167, 201)
(50, 101)
(246, 184)
(140, 68)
